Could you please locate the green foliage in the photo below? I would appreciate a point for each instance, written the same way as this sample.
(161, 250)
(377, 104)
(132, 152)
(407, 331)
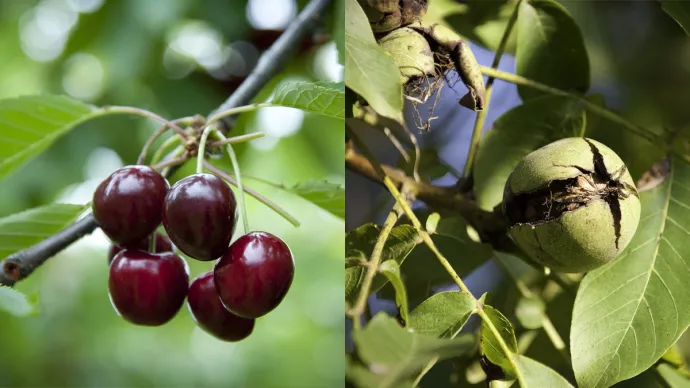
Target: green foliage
(16, 303)
(24, 229)
(326, 195)
(490, 344)
(391, 270)
(679, 11)
(371, 72)
(399, 354)
(550, 48)
(326, 98)
(443, 315)
(31, 124)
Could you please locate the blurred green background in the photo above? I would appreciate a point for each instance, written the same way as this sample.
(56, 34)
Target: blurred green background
(176, 58)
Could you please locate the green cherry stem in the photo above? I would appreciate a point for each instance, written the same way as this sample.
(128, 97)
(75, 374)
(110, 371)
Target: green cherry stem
(236, 170)
(157, 134)
(202, 149)
(234, 111)
(144, 113)
(165, 148)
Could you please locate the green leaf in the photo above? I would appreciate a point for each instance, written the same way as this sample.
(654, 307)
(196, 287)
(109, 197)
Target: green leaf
(326, 98)
(550, 48)
(443, 315)
(28, 125)
(480, 21)
(326, 195)
(339, 29)
(359, 244)
(679, 11)
(490, 345)
(16, 303)
(630, 311)
(430, 165)
(371, 72)
(391, 269)
(534, 374)
(397, 354)
(672, 377)
(24, 229)
(515, 134)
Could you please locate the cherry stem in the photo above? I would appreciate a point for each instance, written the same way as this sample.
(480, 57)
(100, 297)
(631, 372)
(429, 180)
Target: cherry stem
(145, 113)
(157, 134)
(202, 149)
(234, 111)
(170, 162)
(165, 147)
(237, 139)
(273, 206)
(236, 169)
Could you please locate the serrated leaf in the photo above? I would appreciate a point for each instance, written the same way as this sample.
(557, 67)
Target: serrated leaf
(391, 270)
(550, 48)
(679, 11)
(371, 72)
(442, 315)
(359, 244)
(516, 133)
(325, 98)
(534, 374)
(490, 345)
(393, 352)
(24, 229)
(16, 303)
(28, 125)
(326, 195)
(630, 311)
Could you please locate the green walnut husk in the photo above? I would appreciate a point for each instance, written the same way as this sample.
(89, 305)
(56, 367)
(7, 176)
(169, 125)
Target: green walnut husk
(411, 53)
(572, 205)
(387, 15)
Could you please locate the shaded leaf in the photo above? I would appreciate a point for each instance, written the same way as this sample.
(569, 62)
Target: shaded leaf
(16, 303)
(679, 11)
(550, 48)
(530, 312)
(515, 134)
(326, 98)
(28, 125)
(326, 195)
(24, 229)
(371, 72)
(393, 352)
(630, 311)
(442, 315)
(391, 269)
(490, 345)
(359, 244)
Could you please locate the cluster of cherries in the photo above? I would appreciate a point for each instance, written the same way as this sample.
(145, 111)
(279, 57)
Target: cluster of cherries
(199, 214)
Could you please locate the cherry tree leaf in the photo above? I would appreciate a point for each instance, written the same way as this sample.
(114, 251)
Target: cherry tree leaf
(30, 124)
(16, 303)
(325, 98)
(630, 311)
(24, 229)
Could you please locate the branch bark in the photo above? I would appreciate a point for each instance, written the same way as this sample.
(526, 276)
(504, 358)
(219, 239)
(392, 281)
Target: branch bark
(21, 264)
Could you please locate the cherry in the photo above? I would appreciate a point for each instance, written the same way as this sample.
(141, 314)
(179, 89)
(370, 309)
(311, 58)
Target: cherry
(128, 204)
(163, 244)
(147, 288)
(199, 214)
(254, 275)
(211, 315)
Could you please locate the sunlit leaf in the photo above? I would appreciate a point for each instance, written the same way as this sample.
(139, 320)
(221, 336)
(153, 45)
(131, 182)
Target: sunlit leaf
(550, 48)
(490, 345)
(371, 72)
(534, 374)
(630, 311)
(24, 229)
(326, 98)
(326, 195)
(28, 125)
(442, 315)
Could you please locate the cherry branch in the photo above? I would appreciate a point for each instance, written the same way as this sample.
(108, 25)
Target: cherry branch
(20, 265)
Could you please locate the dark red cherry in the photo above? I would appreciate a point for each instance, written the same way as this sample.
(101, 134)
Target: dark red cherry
(163, 244)
(200, 214)
(147, 288)
(254, 274)
(210, 314)
(128, 204)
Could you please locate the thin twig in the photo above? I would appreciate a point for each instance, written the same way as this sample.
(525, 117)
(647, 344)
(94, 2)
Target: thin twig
(275, 58)
(145, 113)
(481, 115)
(373, 266)
(396, 143)
(237, 139)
